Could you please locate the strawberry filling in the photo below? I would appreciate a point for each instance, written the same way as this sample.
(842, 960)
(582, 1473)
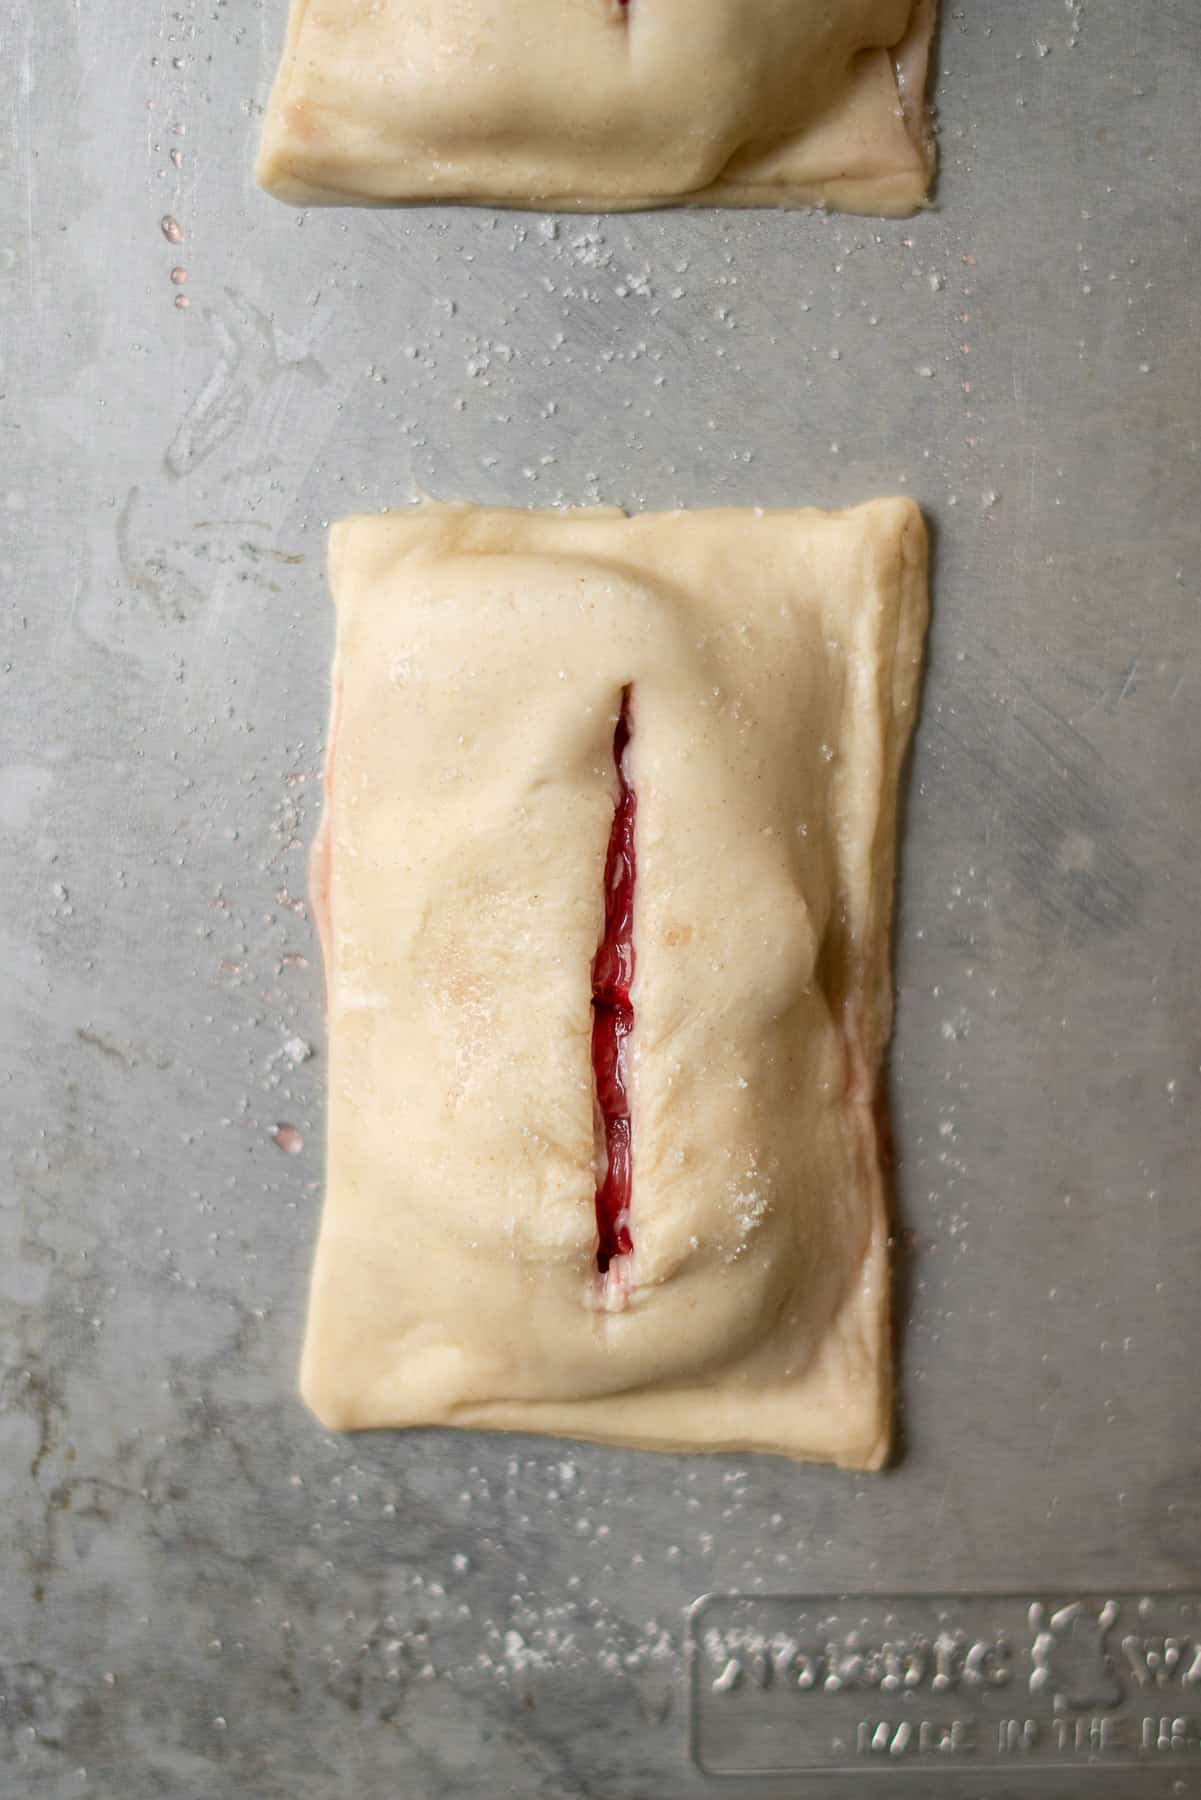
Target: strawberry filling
(613, 1014)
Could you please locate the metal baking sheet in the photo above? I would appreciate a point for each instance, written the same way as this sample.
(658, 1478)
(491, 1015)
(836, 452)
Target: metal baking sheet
(205, 1595)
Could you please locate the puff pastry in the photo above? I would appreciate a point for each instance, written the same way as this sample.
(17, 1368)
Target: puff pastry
(604, 880)
(603, 104)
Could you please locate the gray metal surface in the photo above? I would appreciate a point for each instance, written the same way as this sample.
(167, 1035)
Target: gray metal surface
(204, 1594)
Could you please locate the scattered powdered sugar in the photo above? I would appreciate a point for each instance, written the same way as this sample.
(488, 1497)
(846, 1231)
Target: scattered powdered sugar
(519, 1655)
(590, 251)
(749, 1199)
(750, 1204)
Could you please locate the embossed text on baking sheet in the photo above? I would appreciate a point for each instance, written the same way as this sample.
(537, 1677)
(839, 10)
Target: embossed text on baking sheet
(613, 1012)
(794, 1685)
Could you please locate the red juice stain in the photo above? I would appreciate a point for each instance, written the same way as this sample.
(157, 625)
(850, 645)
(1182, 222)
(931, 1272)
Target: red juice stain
(612, 1012)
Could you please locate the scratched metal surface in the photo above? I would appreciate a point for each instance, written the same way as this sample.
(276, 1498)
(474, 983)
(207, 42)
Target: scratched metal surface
(204, 1594)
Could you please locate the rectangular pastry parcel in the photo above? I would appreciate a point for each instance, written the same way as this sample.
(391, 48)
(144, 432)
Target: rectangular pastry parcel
(603, 104)
(604, 882)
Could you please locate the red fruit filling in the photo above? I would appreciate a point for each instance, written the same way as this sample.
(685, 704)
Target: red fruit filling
(612, 1013)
